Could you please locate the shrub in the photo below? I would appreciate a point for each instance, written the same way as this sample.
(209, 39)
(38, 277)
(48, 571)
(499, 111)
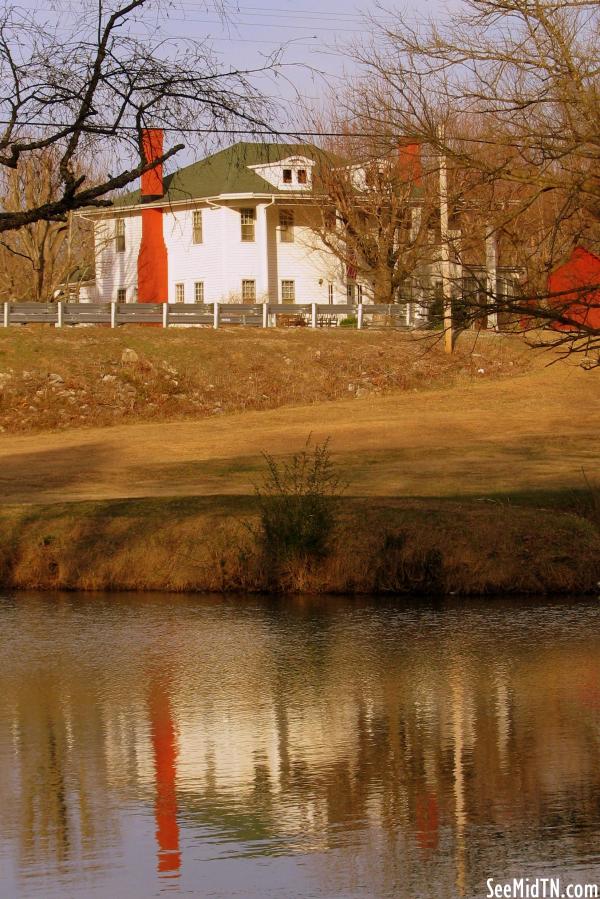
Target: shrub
(297, 504)
(589, 503)
(350, 321)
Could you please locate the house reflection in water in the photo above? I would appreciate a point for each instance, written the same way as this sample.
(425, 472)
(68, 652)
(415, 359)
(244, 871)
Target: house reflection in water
(426, 749)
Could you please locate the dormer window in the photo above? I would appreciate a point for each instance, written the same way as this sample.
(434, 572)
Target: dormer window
(289, 174)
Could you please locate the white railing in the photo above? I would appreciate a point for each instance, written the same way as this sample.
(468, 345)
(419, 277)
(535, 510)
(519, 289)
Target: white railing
(265, 315)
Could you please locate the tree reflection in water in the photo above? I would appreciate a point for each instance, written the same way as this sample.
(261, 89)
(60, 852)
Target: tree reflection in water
(392, 750)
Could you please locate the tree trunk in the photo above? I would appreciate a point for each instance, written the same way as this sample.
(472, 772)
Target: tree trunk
(383, 286)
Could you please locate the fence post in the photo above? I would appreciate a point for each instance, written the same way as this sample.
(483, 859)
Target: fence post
(165, 315)
(359, 323)
(59, 319)
(113, 315)
(265, 314)
(6, 314)
(215, 315)
(313, 316)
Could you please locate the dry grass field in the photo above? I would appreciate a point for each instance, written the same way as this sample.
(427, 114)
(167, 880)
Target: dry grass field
(53, 379)
(533, 431)
(485, 471)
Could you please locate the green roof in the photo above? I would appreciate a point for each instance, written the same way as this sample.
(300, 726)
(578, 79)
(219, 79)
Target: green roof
(227, 172)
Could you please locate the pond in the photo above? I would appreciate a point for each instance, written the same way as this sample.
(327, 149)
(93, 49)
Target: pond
(249, 747)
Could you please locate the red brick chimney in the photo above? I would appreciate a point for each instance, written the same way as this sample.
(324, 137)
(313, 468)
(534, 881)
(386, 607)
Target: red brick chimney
(409, 161)
(152, 147)
(153, 267)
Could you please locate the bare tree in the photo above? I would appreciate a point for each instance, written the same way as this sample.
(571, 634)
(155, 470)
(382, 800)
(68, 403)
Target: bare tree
(507, 92)
(37, 259)
(92, 92)
(378, 214)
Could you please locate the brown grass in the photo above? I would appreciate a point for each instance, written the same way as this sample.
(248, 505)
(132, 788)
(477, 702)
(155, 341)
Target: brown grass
(485, 438)
(499, 459)
(53, 379)
(398, 546)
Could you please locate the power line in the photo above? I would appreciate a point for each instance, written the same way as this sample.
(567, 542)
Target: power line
(273, 19)
(235, 23)
(106, 130)
(265, 12)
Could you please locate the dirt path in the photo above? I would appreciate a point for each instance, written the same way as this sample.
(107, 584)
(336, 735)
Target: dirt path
(534, 431)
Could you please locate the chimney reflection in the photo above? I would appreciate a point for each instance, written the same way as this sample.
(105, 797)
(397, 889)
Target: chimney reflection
(165, 766)
(427, 821)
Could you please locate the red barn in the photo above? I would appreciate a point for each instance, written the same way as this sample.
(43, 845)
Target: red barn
(575, 289)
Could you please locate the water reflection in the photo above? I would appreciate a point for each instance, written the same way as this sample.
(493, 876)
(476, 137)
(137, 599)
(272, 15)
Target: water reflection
(165, 773)
(249, 748)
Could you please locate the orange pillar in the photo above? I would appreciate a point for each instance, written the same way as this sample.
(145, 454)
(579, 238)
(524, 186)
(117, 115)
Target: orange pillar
(153, 278)
(153, 269)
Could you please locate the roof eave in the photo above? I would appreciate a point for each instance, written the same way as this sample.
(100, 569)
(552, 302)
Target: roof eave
(108, 212)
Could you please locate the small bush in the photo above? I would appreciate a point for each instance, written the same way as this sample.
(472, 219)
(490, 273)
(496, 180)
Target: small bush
(350, 321)
(297, 504)
(589, 503)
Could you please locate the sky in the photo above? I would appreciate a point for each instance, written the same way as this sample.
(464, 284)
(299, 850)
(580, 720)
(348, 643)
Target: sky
(313, 34)
(315, 37)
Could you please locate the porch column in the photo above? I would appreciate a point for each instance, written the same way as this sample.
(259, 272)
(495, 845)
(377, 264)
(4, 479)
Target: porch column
(262, 250)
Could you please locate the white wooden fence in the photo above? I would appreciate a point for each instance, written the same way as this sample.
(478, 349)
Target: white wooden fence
(265, 315)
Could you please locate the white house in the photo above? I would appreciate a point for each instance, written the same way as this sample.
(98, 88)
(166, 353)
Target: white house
(238, 226)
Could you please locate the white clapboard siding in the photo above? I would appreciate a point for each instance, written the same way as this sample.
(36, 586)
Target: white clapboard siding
(222, 261)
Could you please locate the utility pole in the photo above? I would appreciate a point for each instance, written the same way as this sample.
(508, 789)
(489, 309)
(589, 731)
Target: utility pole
(445, 251)
(491, 267)
(69, 255)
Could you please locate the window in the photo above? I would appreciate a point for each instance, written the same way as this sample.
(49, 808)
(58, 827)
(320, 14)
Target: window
(302, 176)
(330, 292)
(288, 292)
(286, 225)
(122, 295)
(197, 226)
(354, 292)
(330, 219)
(248, 291)
(247, 221)
(287, 176)
(120, 235)
(180, 293)
(199, 292)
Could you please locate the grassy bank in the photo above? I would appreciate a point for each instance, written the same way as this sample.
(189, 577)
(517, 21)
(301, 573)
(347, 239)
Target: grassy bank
(52, 379)
(205, 544)
(499, 453)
